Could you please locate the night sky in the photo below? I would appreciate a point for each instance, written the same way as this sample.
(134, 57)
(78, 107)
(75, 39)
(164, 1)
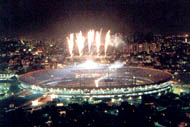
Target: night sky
(40, 18)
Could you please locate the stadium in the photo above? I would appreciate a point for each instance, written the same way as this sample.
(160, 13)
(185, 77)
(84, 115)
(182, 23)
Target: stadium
(95, 80)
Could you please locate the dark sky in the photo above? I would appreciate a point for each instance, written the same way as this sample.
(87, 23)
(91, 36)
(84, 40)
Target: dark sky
(57, 17)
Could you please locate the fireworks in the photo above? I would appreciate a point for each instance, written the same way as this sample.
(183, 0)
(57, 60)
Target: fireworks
(90, 39)
(71, 44)
(98, 42)
(107, 41)
(94, 38)
(80, 40)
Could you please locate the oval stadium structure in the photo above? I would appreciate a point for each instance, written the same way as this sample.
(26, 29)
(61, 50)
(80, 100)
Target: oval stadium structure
(98, 82)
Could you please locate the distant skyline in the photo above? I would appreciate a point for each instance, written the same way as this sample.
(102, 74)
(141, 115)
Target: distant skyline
(53, 18)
